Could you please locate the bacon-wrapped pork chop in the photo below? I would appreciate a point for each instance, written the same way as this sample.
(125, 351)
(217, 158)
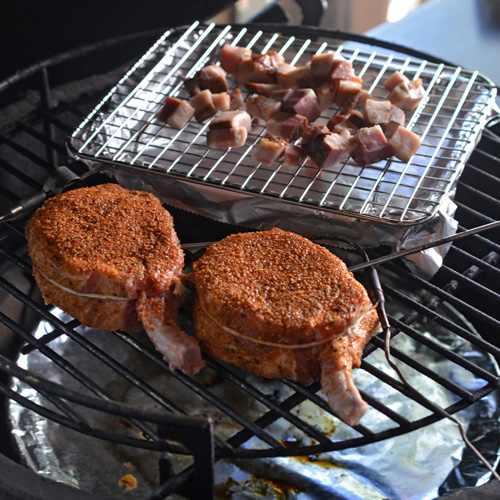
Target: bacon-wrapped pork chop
(110, 257)
(279, 305)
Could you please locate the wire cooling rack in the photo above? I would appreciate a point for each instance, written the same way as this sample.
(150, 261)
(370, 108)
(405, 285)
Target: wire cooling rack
(123, 130)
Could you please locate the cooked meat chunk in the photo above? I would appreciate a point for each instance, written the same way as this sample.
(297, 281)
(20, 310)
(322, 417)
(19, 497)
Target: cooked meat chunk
(232, 119)
(236, 100)
(110, 257)
(175, 112)
(213, 78)
(260, 68)
(408, 94)
(204, 106)
(274, 303)
(371, 146)
(262, 107)
(287, 126)
(269, 150)
(223, 138)
(404, 143)
(331, 66)
(301, 102)
(231, 56)
(265, 89)
(294, 76)
(326, 150)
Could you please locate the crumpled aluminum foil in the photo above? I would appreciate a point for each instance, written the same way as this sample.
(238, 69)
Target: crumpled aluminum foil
(415, 466)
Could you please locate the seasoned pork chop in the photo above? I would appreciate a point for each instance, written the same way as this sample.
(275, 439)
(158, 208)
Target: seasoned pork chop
(276, 304)
(110, 257)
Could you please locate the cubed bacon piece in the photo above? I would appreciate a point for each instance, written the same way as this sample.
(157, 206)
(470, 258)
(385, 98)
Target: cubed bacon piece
(371, 146)
(236, 99)
(223, 138)
(325, 93)
(262, 107)
(301, 102)
(262, 88)
(287, 126)
(404, 143)
(232, 119)
(350, 120)
(231, 55)
(261, 68)
(294, 76)
(269, 150)
(342, 69)
(363, 96)
(313, 131)
(407, 95)
(203, 104)
(213, 78)
(397, 118)
(385, 114)
(328, 149)
(347, 93)
(175, 112)
(377, 112)
(331, 66)
(294, 155)
(221, 101)
(321, 64)
(395, 79)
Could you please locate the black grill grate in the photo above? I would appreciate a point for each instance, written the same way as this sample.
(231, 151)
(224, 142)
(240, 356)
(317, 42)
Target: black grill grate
(468, 284)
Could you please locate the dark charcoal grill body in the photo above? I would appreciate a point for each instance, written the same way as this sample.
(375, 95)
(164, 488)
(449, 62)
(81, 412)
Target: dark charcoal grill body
(39, 113)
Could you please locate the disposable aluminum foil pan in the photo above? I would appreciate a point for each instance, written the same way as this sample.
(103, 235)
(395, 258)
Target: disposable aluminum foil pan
(383, 203)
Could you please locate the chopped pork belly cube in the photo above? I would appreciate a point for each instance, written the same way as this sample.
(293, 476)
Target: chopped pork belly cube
(321, 64)
(231, 55)
(325, 94)
(331, 66)
(407, 95)
(294, 76)
(301, 102)
(175, 112)
(203, 104)
(236, 100)
(377, 112)
(221, 101)
(262, 88)
(385, 114)
(294, 155)
(223, 138)
(261, 68)
(269, 150)
(232, 119)
(326, 150)
(313, 131)
(262, 107)
(396, 118)
(213, 78)
(350, 120)
(395, 79)
(342, 69)
(371, 145)
(287, 126)
(404, 143)
(347, 93)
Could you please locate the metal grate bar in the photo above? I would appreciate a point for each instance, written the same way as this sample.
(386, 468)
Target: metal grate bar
(198, 389)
